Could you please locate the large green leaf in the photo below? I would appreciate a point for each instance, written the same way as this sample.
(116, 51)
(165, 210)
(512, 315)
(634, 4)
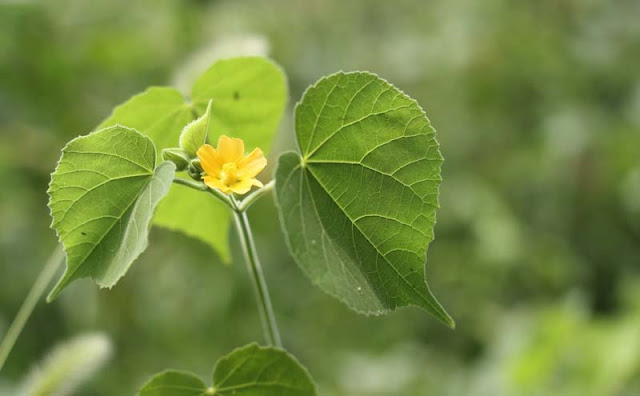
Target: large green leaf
(249, 95)
(158, 112)
(102, 197)
(248, 371)
(358, 205)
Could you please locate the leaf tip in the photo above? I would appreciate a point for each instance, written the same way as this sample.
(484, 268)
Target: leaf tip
(450, 322)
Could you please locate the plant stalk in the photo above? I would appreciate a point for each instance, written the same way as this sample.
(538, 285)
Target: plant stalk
(35, 294)
(267, 317)
(203, 187)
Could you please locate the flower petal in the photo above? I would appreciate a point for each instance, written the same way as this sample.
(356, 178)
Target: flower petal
(242, 187)
(210, 160)
(214, 182)
(251, 165)
(230, 149)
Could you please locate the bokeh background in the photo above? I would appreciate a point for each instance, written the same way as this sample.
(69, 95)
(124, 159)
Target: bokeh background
(537, 250)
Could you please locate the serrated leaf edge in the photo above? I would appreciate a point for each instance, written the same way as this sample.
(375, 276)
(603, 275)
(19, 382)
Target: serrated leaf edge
(55, 291)
(447, 319)
(266, 348)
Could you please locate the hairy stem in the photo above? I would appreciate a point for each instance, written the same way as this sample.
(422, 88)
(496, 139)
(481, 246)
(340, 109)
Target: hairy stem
(203, 187)
(267, 317)
(37, 290)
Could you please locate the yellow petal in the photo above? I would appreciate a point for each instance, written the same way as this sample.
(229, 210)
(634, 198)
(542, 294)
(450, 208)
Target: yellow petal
(217, 184)
(210, 160)
(230, 149)
(251, 165)
(243, 186)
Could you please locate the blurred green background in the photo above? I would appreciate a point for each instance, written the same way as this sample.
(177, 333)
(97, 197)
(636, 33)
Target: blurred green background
(537, 250)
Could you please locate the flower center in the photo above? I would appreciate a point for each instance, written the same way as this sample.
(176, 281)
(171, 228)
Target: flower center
(228, 173)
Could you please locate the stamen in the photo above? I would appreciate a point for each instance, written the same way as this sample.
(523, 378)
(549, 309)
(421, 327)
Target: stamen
(228, 173)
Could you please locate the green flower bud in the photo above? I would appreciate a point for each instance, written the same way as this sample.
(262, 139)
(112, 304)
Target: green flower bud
(195, 169)
(178, 156)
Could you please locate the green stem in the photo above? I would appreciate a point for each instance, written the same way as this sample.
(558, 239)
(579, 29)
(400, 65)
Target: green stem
(267, 317)
(254, 196)
(203, 187)
(37, 290)
(191, 184)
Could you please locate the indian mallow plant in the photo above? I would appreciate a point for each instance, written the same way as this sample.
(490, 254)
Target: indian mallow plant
(357, 200)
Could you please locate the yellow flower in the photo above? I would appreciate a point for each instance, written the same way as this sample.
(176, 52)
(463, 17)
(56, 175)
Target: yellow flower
(228, 169)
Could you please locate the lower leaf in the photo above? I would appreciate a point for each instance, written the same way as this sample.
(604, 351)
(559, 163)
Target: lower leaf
(248, 371)
(174, 383)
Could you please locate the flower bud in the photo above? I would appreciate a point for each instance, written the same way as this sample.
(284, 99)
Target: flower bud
(178, 156)
(195, 169)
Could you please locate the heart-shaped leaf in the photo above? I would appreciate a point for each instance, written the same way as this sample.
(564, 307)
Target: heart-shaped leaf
(248, 98)
(358, 205)
(102, 196)
(248, 371)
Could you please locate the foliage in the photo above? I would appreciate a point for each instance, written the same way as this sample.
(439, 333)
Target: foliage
(248, 96)
(536, 107)
(105, 189)
(358, 203)
(358, 134)
(250, 370)
(103, 195)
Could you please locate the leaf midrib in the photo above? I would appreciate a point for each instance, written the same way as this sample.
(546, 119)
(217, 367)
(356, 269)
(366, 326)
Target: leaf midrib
(412, 287)
(322, 237)
(92, 188)
(378, 171)
(351, 123)
(259, 385)
(119, 218)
